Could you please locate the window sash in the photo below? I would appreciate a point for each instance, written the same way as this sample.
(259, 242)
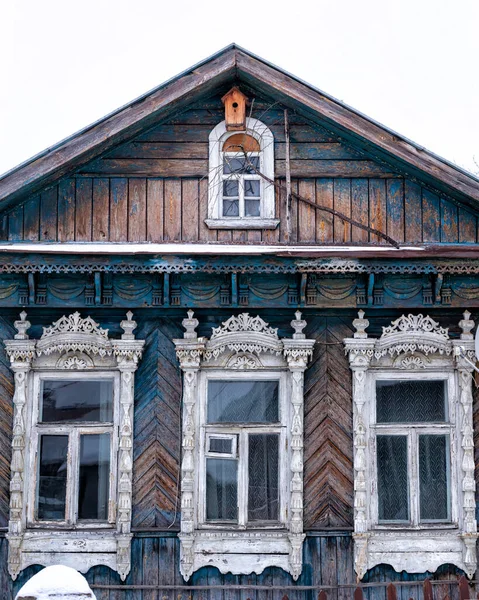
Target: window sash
(73, 431)
(205, 431)
(241, 178)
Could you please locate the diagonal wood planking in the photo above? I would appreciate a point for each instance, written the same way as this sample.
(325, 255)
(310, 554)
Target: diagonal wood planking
(328, 446)
(157, 427)
(6, 417)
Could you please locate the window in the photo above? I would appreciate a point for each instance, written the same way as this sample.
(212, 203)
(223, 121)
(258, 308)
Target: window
(413, 446)
(242, 478)
(239, 195)
(72, 445)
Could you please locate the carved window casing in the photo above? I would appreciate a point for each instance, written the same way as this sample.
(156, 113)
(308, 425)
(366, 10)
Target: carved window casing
(243, 349)
(72, 351)
(414, 486)
(239, 197)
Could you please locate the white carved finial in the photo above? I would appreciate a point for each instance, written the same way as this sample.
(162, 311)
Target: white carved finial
(128, 327)
(466, 325)
(21, 326)
(298, 325)
(190, 324)
(360, 324)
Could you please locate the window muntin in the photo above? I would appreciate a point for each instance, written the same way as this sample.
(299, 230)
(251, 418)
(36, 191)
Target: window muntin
(243, 481)
(241, 183)
(412, 438)
(75, 473)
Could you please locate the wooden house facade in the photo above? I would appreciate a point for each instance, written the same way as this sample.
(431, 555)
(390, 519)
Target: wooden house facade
(238, 348)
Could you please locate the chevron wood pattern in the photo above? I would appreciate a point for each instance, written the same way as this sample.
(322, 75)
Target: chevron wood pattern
(328, 455)
(157, 427)
(6, 415)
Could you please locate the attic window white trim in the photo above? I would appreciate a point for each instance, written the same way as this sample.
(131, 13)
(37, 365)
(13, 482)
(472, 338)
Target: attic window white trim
(266, 220)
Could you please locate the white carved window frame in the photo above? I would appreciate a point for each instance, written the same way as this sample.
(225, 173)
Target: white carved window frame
(243, 347)
(413, 347)
(217, 138)
(77, 348)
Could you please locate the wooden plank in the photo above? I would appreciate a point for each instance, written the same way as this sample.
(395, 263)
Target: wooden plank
(166, 167)
(172, 210)
(360, 209)
(324, 220)
(282, 211)
(49, 215)
(255, 236)
(154, 210)
(190, 209)
(225, 235)
(101, 209)
(342, 203)
(377, 207)
(449, 222)
(412, 212)
(241, 235)
(83, 224)
(118, 209)
(137, 210)
(431, 217)
(205, 233)
(467, 226)
(15, 224)
(395, 209)
(4, 226)
(66, 210)
(31, 219)
(271, 236)
(150, 567)
(306, 214)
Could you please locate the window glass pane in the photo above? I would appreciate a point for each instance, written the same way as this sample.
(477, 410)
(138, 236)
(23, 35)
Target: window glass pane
(251, 208)
(69, 400)
(410, 401)
(221, 489)
(392, 478)
(231, 187)
(251, 187)
(221, 445)
(238, 164)
(433, 477)
(94, 476)
(263, 492)
(230, 208)
(243, 402)
(52, 482)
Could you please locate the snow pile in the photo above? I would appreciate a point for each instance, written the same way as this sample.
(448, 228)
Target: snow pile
(58, 582)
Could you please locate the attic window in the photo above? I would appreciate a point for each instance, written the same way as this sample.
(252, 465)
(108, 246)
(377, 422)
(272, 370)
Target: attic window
(241, 169)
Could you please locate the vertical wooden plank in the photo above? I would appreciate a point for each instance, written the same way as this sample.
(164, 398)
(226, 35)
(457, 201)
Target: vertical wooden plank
(254, 236)
(166, 559)
(342, 203)
(150, 567)
(307, 214)
(172, 210)
(271, 236)
(467, 227)
(391, 593)
(324, 220)
(449, 222)
(412, 212)
(282, 210)
(84, 193)
(377, 207)
(241, 235)
(360, 209)
(206, 234)
(101, 209)
(329, 564)
(431, 217)
(427, 589)
(154, 210)
(66, 210)
(48, 215)
(395, 209)
(4, 226)
(225, 235)
(294, 212)
(15, 224)
(137, 210)
(31, 219)
(118, 209)
(190, 208)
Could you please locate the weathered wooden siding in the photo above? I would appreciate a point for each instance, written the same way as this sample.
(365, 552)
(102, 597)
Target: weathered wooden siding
(154, 189)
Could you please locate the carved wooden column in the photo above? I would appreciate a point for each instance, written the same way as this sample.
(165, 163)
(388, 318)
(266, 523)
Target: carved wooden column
(297, 352)
(465, 369)
(189, 351)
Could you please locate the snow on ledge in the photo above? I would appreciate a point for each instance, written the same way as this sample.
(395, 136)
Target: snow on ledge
(58, 582)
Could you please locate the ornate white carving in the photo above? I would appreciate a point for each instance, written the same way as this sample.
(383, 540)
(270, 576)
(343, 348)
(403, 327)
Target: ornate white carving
(414, 548)
(88, 340)
(237, 344)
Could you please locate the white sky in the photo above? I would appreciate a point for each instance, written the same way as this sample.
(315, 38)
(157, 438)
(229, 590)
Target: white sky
(412, 65)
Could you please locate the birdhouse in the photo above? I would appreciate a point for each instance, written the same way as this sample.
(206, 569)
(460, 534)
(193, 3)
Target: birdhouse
(235, 110)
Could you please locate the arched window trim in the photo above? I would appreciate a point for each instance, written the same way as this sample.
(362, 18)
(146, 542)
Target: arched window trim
(217, 138)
